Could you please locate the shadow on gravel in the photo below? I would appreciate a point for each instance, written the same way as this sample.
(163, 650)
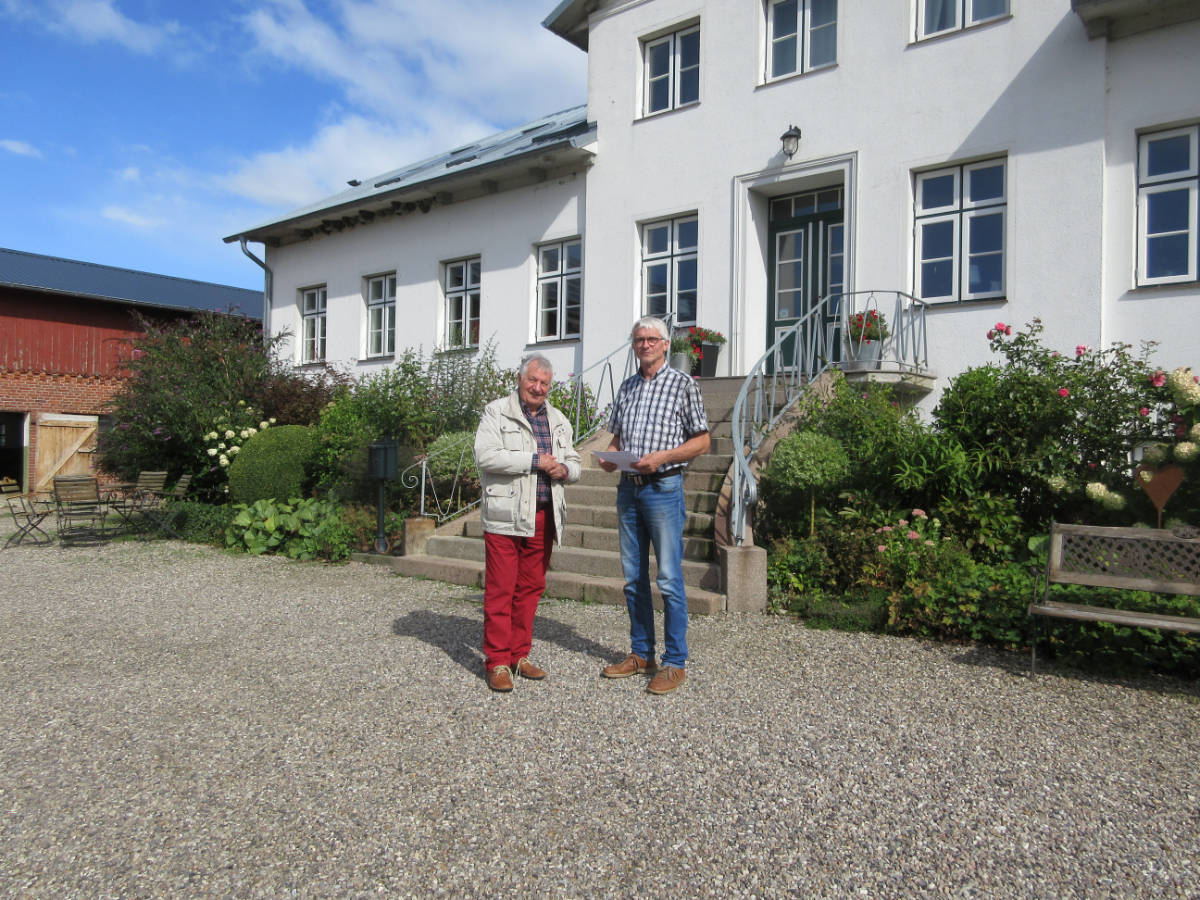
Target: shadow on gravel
(461, 637)
(1017, 663)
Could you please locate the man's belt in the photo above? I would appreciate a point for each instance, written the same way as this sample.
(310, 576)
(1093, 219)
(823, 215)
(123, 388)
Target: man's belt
(653, 476)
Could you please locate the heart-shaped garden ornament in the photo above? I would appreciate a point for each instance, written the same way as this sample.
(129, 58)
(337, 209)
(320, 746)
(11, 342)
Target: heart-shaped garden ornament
(1161, 484)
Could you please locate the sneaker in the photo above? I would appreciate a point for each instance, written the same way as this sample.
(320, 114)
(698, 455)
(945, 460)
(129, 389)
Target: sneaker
(500, 679)
(667, 679)
(526, 669)
(630, 665)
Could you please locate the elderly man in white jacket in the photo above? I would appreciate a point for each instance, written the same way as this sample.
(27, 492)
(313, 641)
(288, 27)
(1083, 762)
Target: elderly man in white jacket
(525, 452)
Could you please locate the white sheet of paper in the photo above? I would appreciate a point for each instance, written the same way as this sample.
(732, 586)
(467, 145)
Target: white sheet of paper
(623, 458)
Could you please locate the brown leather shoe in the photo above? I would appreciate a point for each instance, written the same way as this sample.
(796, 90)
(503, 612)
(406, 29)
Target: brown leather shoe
(630, 665)
(667, 679)
(526, 669)
(500, 679)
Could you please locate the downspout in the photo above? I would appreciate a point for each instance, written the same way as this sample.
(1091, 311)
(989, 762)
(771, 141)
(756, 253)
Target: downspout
(268, 287)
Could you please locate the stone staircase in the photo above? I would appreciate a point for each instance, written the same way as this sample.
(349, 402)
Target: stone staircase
(588, 564)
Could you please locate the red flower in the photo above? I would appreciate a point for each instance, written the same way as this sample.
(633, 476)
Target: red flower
(1063, 392)
(1158, 379)
(1144, 411)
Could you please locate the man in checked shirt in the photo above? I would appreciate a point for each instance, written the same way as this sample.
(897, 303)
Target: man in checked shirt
(659, 415)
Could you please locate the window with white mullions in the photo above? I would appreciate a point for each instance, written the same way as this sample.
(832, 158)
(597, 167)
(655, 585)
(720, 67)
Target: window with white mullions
(1168, 235)
(559, 290)
(462, 303)
(672, 70)
(312, 312)
(381, 315)
(935, 17)
(801, 35)
(670, 269)
(959, 232)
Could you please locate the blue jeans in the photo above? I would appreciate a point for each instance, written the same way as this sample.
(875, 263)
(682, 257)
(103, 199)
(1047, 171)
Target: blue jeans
(654, 514)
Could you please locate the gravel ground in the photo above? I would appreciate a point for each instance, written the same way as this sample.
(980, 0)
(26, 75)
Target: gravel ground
(179, 722)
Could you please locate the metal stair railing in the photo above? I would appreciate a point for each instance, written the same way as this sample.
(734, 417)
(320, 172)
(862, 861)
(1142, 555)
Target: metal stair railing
(798, 357)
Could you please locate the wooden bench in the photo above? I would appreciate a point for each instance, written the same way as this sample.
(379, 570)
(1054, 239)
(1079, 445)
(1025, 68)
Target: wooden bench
(1165, 561)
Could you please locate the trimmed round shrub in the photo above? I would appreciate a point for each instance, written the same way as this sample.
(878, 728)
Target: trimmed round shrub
(271, 465)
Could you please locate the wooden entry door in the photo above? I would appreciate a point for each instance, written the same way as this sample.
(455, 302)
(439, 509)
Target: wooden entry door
(65, 446)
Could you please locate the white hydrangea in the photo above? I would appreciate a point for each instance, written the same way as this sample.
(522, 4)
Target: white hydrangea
(1114, 501)
(224, 460)
(1186, 451)
(1184, 387)
(1194, 434)
(264, 425)
(1056, 483)
(1096, 491)
(229, 434)
(233, 450)
(1155, 455)
(212, 451)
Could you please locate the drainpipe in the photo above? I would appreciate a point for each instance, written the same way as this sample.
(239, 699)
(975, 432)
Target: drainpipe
(268, 287)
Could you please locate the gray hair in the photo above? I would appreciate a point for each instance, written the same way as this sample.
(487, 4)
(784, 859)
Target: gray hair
(535, 361)
(651, 322)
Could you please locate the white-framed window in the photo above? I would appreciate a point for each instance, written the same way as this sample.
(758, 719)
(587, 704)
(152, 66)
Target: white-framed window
(936, 17)
(312, 312)
(1168, 242)
(461, 284)
(381, 315)
(959, 232)
(559, 290)
(801, 36)
(670, 268)
(671, 70)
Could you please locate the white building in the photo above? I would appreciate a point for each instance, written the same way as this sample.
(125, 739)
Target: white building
(999, 159)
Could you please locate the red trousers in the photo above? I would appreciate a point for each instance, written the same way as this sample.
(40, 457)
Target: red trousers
(513, 585)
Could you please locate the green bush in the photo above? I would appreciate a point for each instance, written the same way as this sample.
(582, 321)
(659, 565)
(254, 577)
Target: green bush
(201, 523)
(271, 465)
(304, 529)
(806, 465)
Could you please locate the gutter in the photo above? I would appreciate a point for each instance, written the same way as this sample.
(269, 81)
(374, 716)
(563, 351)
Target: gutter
(268, 287)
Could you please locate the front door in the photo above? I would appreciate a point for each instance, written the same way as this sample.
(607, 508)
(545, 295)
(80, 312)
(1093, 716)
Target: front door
(808, 263)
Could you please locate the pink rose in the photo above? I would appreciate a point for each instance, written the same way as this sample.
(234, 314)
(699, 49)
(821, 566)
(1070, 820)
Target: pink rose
(1063, 392)
(1158, 379)
(991, 334)
(1080, 350)
(1144, 411)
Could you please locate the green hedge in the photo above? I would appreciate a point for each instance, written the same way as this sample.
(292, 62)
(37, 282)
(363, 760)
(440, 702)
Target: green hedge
(271, 465)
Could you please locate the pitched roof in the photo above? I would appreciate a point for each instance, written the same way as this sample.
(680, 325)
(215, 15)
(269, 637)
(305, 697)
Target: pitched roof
(559, 137)
(83, 279)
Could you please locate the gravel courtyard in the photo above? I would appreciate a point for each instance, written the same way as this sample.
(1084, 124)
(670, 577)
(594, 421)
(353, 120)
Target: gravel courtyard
(180, 722)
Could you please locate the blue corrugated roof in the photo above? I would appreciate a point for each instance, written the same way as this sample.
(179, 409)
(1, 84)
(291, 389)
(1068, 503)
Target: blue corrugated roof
(567, 127)
(70, 276)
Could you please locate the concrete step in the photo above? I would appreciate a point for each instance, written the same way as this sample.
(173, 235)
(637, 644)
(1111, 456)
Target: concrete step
(583, 495)
(697, 544)
(567, 585)
(604, 563)
(605, 516)
(693, 480)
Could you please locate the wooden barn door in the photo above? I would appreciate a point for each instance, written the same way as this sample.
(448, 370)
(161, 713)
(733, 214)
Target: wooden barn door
(65, 446)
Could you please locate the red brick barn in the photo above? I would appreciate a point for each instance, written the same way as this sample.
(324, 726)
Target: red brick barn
(64, 328)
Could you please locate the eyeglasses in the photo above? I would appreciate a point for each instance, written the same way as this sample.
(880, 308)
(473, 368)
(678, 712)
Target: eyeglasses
(645, 340)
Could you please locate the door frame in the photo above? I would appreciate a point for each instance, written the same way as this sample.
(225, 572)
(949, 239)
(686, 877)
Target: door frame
(750, 251)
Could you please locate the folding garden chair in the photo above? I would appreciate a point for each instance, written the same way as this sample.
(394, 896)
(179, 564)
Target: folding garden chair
(160, 511)
(28, 514)
(80, 511)
(147, 491)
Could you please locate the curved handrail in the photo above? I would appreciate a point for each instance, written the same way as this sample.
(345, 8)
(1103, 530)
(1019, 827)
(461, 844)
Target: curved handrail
(797, 358)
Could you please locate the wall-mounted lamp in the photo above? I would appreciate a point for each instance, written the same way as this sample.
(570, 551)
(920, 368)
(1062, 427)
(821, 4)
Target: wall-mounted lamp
(791, 141)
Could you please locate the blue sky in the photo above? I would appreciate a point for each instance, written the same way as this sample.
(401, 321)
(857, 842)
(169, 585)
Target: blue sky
(139, 133)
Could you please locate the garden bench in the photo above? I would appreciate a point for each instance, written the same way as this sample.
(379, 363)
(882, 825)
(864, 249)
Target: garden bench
(1165, 561)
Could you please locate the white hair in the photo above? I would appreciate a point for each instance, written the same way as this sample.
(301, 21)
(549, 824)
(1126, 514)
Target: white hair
(651, 322)
(535, 361)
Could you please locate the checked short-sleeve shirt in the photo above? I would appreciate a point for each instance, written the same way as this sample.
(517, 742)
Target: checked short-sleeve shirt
(657, 414)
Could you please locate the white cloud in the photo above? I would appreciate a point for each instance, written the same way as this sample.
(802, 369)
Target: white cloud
(20, 148)
(420, 78)
(92, 21)
(134, 219)
(130, 173)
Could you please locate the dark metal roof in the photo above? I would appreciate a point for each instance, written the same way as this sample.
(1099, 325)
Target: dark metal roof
(83, 279)
(560, 137)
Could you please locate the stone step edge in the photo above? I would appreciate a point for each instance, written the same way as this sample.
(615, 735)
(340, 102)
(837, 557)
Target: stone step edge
(564, 585)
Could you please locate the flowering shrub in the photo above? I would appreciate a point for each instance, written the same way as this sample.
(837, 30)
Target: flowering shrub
(224, 442)
(867, 326)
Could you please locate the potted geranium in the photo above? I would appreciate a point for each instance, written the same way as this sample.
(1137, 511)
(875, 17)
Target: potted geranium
(865, 334)
(705, 345)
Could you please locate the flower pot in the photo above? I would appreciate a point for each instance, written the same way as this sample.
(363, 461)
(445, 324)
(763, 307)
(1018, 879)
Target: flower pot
(682, 362)
(864, 354)
(708, 360)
